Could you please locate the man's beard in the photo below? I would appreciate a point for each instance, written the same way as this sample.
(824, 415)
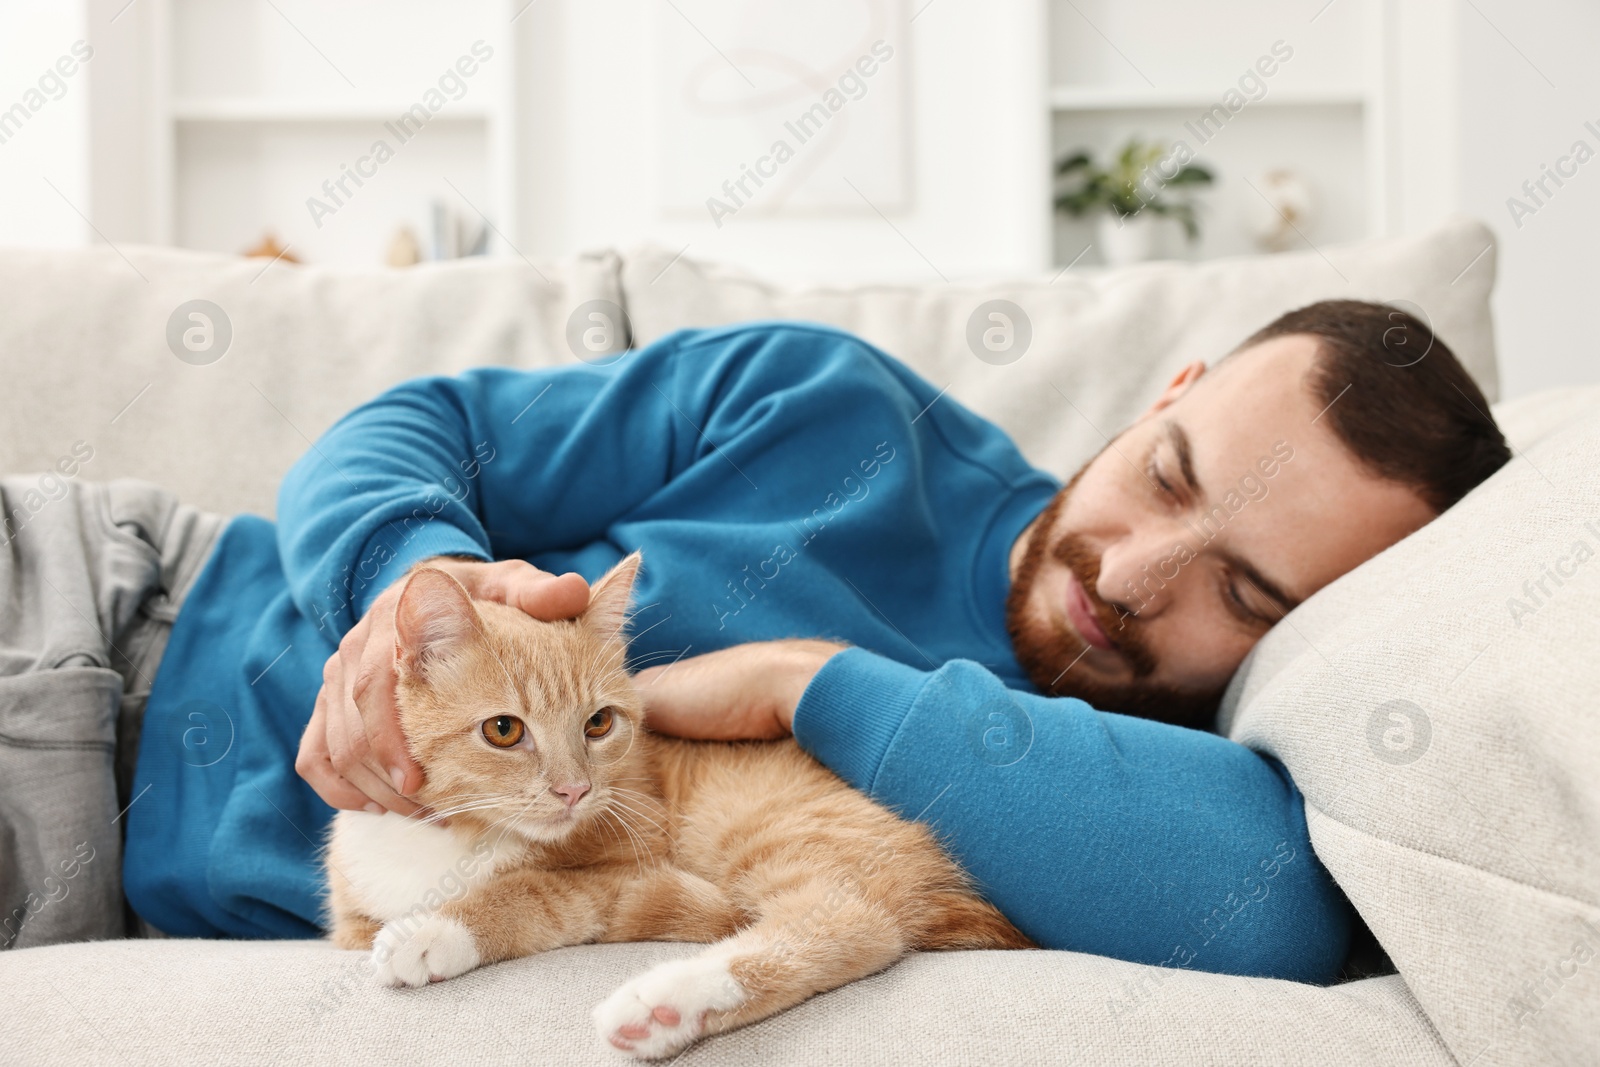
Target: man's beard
(1048, 652)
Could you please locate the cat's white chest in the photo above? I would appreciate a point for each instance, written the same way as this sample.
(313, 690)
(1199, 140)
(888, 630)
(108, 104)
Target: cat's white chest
(397, 866)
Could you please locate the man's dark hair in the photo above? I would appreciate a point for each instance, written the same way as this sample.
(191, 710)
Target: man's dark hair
(1397, 397)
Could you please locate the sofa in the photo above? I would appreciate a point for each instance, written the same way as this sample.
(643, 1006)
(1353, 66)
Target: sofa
(1437, 706)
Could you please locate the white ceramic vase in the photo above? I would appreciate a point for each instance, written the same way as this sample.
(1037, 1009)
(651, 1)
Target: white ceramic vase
(1127, 240)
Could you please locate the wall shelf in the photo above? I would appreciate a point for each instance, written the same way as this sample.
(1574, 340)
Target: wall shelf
(266, 109)
(1137, 98)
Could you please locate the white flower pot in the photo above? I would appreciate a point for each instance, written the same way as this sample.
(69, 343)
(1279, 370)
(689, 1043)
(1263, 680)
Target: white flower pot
(1128, 240)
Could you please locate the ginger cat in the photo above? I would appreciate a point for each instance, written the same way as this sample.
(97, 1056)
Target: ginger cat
(569, 823)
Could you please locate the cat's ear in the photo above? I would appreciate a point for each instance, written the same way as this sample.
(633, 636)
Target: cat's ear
(608, 598)
(434, 618)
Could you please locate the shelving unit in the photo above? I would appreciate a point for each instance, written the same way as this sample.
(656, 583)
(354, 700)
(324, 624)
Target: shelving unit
(265, 116)
(1325, 114)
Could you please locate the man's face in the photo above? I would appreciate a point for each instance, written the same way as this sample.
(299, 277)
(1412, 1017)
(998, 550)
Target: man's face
(1165, 559)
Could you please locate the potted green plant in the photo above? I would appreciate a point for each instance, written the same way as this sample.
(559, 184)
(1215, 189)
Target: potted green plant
(1130, 196)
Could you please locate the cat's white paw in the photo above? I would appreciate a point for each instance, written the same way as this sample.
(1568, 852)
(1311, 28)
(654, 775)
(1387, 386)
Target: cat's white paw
(664, 1010)
(439, 948)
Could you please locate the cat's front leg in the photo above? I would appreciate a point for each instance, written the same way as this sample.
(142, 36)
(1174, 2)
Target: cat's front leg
(353, 931)
(517, 913)
(814, 936)
(670, 904)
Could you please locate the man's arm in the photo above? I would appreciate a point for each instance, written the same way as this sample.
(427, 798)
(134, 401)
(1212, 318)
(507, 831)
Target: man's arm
(492, 464)
(1091, 831)
(500, 464)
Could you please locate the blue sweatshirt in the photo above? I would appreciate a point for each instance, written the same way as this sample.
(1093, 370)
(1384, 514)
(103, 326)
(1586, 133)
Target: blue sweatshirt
(783, 480)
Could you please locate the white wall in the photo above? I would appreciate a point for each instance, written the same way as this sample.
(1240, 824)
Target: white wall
(978, 198)
(1513, 121)
(51, 145)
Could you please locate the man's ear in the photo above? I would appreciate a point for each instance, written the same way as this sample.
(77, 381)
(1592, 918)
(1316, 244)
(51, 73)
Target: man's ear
(434, 618)
(1179, 385)
(608, 598)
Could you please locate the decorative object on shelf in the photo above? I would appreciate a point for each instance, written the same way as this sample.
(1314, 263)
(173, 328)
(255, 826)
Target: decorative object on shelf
(1130, 197)
(1283, 213)
(454, 236)
(404, 251)
(269, 248)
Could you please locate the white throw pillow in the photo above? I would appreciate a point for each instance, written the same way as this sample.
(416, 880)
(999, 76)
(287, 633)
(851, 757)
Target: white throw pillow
(89, 343)
(1439, 706)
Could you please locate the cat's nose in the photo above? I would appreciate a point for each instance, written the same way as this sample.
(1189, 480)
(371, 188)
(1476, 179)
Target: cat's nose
(573, 791)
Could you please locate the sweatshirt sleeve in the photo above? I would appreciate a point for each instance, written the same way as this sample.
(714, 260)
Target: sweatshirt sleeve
(493, 463)
(1090, 831)
(499, 463)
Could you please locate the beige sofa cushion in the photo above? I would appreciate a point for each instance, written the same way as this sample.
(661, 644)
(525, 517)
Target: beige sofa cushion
(1438, 707)
(1102, 341)
(306, 1003)
(84, 346)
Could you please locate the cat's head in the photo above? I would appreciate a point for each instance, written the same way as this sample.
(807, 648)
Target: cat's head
(534, 726)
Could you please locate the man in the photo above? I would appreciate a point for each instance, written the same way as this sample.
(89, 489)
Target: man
(797, 492)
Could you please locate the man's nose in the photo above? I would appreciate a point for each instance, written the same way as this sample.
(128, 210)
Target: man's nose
(573, 791)
(1141, 571)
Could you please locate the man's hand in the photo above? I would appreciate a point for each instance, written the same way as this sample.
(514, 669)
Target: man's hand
(352, 752)
(738, 693)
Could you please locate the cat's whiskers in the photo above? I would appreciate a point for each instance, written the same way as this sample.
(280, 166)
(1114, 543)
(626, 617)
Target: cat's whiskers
(473, 797)
(634, 613)
(460, 800)
(634, 778)
(608, 829)
(462, 809)
(646, 818)
(634, 838)
(663, 653)
(609, 814)
(620, 808)
(637, 794)
(639, 797)
(613, 659)
(514, 815)
(616, 807)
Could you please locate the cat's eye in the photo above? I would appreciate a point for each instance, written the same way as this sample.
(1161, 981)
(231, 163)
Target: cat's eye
(599, 724)
(503, 731)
